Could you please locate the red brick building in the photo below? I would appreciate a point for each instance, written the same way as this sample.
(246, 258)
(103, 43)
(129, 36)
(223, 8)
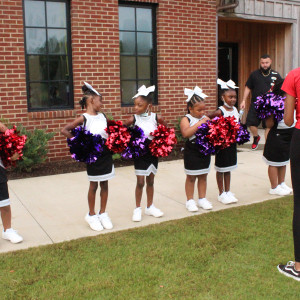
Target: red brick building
(48, 48)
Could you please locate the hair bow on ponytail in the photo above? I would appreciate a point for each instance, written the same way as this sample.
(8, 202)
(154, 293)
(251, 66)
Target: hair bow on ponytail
(196, 91)
(227, 85)
(143, 91)
(91, 88)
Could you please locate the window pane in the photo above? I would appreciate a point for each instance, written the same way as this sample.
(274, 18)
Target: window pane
(35, 13)
(58, 68)
(56, 14)
(147, 83)
(59, 94)
(144, 19)
(38, 67)
(38, 95)
(126, 18)
(128, 90)
(144, 44)
(127, 43)
(35, 41)
(57, 41)
(144, 67)
(128, 67)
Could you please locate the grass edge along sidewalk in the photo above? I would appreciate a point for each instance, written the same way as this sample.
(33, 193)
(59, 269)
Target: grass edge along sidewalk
(229, 254)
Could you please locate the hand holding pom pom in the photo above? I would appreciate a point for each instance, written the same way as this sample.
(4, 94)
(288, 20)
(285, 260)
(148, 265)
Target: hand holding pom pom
(204, 145)
(243, 135)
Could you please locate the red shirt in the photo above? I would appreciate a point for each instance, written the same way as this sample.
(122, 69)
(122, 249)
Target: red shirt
(291, 86)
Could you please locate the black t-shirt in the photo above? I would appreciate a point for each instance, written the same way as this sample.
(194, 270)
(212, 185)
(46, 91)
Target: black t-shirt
(259, 84)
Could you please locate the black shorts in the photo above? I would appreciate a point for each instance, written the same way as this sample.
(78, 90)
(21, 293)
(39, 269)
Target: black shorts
(252, 119)
(4, 196)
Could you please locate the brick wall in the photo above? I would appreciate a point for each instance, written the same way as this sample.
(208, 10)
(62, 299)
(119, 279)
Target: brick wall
(186, 42)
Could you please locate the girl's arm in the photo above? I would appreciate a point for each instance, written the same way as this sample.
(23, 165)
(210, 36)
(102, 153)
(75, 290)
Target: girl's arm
(289, 107)
(129, 121)
(3, 128)
(160, 120)
(216, 113)
(66, 131)
(188, 131)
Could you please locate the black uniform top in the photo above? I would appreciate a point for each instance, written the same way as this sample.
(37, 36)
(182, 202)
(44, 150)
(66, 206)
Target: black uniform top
(259, 84)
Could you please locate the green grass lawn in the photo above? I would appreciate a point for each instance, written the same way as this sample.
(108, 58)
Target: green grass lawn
(229, 254)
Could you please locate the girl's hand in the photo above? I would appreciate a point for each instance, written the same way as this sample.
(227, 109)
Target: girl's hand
(15, 156)
(202, 121)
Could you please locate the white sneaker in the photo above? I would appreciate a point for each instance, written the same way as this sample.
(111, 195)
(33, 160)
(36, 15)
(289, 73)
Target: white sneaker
(205, 204)
(94, 222)
(137, 214)
(191, 205)
(153, 211)
(279, 191)
(224, 198)
(232, 197)
(285, 187)
(11, 235)
(105, 221)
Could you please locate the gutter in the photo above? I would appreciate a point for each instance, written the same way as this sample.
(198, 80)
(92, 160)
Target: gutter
(227, 6)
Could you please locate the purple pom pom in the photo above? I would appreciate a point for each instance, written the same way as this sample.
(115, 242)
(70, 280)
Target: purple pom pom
(204, 146)
(243, 135)
(84, 146)
(137, 145)
(269, 104)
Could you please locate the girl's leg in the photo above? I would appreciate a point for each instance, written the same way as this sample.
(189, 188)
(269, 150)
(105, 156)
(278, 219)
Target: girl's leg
(273, 173)
(227, 181)
(140, 182)
(6, 217)
(150, 189)
(219, 177)
(92, 197)
(103, 195)
(189, 186)
(202, 184)
(281, 174)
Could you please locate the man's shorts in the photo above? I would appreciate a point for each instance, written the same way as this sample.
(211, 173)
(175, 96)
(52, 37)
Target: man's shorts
(252, 119)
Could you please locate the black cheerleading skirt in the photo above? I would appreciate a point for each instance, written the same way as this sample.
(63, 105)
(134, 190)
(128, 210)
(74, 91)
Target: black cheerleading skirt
(3, 177)
(102, 169)
(195, 163)
(146, 164)
(226, 159)
(277, 147)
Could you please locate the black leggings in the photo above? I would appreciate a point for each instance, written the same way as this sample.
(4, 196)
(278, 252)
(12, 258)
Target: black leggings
(295, 172)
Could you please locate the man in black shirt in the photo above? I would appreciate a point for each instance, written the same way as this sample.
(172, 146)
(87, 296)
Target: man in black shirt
(259, 82)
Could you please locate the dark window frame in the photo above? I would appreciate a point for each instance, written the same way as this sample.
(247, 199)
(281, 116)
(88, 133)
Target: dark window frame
(154, 80)
(70, 105)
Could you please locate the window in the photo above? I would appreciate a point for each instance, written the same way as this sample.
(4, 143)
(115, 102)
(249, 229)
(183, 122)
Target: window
(137, 49)
(48, 55)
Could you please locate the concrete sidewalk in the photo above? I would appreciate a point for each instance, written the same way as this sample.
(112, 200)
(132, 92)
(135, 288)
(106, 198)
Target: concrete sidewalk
(51, 209)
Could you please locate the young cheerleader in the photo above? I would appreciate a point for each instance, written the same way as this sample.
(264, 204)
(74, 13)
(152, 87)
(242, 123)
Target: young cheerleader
(226, 159)
(277, 150)
(146, 165)
(196, 164)
(103, 168)
(8, 233)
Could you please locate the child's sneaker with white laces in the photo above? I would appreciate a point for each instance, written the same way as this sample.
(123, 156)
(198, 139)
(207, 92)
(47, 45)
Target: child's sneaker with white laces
(205, 204)
(153, 211)
(232, 197)
(289, 270)
(285, 187)
(105, 220)
(191, 205)
(224, 198)
(279, 191)
(137, 214)
(94, 222)
(11, 235)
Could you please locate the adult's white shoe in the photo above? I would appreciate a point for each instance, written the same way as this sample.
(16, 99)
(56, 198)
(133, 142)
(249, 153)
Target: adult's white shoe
(11, 235)
(205, 204)
(279, 191)
(105, 221)
(137, 214)
(94, 222)
(153, 211)
(191, 205)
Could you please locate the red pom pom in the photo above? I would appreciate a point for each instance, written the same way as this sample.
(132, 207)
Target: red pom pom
(11, 143)
(163, 142)
(223, 132)
(118, 136)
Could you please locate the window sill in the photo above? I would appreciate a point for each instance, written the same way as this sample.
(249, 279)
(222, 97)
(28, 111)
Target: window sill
(130, 109)
(54, 114)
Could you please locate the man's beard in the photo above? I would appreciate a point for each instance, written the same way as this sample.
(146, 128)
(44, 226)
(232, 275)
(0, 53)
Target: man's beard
(265, 71)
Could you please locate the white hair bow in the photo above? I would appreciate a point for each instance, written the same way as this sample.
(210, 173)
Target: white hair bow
(227, 85)
(143, 91)
(91, 88)
(196, 91)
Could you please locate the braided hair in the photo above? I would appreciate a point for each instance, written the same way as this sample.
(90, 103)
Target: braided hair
(195, 99)
(87, 93)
